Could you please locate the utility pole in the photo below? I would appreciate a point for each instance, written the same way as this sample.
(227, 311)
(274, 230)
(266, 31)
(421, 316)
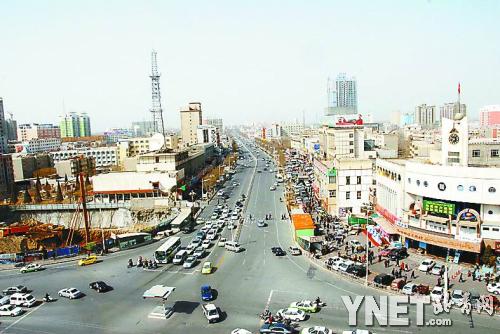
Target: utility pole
(84, 208)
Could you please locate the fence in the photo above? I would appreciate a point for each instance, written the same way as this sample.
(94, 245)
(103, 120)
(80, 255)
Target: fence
(64, 252)
(68, 206)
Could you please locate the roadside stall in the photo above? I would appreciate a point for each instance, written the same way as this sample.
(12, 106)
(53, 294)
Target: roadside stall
(162, 292)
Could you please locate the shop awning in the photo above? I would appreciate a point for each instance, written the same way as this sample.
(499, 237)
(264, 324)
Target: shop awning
(385, 225)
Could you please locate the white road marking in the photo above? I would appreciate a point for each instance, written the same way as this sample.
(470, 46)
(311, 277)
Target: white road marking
(21, 318)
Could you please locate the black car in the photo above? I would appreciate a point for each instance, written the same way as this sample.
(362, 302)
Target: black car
(99, 286)
(278, 251)
(357, 270)
(383, 279)
(398, 254)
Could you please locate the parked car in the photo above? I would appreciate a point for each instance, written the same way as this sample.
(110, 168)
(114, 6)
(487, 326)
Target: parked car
(357, 270)
(221, 242)
(437, 268)
(70, 293)
(91, 259)
(398, 284)
(383, 279)
(99, 286)
(426, 265)
(306, 306)
(437, 293)
(316, 330)
(457, 297)
(31, 267)
(15, 289)
(410, 289)
(398, 254)
(10, 310)
(494, 288)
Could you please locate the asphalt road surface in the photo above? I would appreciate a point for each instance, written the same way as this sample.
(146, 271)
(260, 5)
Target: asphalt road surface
(246, 283)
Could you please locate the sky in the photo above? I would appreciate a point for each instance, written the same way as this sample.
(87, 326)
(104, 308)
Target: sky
(245, 61)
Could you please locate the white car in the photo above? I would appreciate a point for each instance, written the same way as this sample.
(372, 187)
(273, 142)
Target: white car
(295, 250)
(409, 289)
(220, 193)
(357, 331)
(316, 330)
(426, 265)
(293, 314)
(10, 310)
(436, 269)
(199, 252)
(214, 216)
(457, 297)
(493, 288)
(231, 226)
(206, 244)
(240, 331)
(211, 235)
(235, 216)
(222, 242)
(272, 188)
(31, 267)
(70, 293)
(345, 265)
(189, 263)
(437, 294)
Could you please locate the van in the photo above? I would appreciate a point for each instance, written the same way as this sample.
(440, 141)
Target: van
(180, 256)
(22, 299)
(232, 246)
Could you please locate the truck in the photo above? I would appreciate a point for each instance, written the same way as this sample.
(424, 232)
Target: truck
(211, 312)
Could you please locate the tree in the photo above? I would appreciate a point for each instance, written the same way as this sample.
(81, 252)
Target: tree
(14, 194)
(59, 196)
(27, 197)
(38, 184)
(488, 258)
(38, 196)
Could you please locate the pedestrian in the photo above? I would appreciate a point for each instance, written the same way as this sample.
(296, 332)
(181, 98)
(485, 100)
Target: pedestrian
(427, 270)
(439, 281)
(371, 260)
(412, 274)
(397, 261)
(393, 272)
(460, 279)
(379, 258)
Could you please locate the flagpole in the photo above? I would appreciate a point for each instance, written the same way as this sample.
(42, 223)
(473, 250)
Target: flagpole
(366, 227)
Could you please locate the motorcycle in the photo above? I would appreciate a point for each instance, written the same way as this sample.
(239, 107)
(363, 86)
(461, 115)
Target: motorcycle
(48, 299)
(130, 263)
(265, 315)
(319, 302)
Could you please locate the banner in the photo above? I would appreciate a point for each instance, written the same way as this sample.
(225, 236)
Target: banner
(377, 235)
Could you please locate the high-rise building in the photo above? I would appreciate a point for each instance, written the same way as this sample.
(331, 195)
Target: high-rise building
(191, 117)
(489, 116)
(217, 122)
(3, 137)
(143, 128)
(449, 110)
(6, 173)
(37, 131)
(425, 116)
(75, 125)
(342, 96)
(11, 129)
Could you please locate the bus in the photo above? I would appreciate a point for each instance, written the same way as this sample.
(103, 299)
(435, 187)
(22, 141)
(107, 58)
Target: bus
(166, 252)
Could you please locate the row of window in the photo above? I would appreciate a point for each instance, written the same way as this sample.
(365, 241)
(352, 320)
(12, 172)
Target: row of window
(333, 193)
(494, 153)
(442, 186)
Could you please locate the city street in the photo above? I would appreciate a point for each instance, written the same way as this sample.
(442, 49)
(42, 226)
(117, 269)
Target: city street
(246, 282)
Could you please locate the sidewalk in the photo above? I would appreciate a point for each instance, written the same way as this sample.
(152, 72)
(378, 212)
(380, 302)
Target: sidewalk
(46, 262)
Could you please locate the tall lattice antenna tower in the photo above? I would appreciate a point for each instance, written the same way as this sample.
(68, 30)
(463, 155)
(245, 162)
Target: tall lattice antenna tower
(156, 110)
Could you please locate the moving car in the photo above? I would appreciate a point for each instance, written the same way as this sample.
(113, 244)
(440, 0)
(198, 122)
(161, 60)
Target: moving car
(316, 330)
(199, 252)
(10, 310)
(222, 242)
(358, 331)
(436, 270)
(22, 299)
(99, 286)
(261, 223)
(207, 268)
(306, 306)
(240, 331)
(180, 256)
(190, 262)
(206, 244)
(278, 251)
(426, 264)
(91, 259)
(293, 314)
(70, 293)
(275, 328)
(15, 289)
(211, 312)
(295, 250)
(272, 188)
(206, 292)
(31, 267)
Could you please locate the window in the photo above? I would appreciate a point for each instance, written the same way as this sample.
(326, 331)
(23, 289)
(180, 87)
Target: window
(351, 143)
(347, 180)
(418, 182)
(351, 151)
(358, 194)
(495, 229)
(476, 153)
(494, 154)
(332, 193)
(426, 184)
(332, 179)
(490, 212)
(486, 228)
(472, 188)
(409, 180)
(460, 187)
(491, 189)
(351, 135)
(348, 195)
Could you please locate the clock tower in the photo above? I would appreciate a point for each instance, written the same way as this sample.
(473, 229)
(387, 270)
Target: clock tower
(455, 141)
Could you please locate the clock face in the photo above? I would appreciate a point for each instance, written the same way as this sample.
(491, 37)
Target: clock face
(453, 138)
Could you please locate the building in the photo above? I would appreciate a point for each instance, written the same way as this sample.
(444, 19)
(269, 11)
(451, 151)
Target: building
(290, 129)
(24, 166)
(449, 110)
(207, 134)
(342, 185)
(445, 208)
(142, 128)
(117, 134)
(344, 141)
(342, 96)
(11, 129)
(489, 116)
(191, 118)
(425, 116)
(26, 132)
(36, 145)
(6, 174)
(75, 125)
(75, 165)
(484, 152)
(217, 122)
(140, 145)
(3, 129)
(105, 157)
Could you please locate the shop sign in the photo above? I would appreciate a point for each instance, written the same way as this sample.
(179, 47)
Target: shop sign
(470, 215)
(318, 238)
(439, 207)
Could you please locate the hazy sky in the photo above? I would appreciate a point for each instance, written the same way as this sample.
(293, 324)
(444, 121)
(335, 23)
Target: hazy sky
(244, 60)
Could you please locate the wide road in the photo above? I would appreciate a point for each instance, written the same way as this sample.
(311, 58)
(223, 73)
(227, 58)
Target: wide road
(246, 283)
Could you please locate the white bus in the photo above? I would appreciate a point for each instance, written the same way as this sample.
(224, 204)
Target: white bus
(166, 252)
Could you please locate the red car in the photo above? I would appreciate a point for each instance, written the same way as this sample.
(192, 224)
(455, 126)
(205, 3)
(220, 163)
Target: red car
(385, 252)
